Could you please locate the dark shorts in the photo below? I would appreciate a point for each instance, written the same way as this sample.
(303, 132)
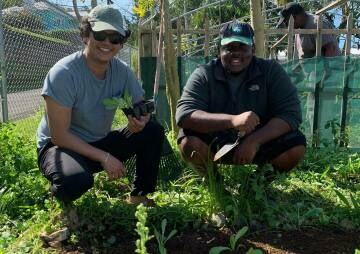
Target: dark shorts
(267, 152)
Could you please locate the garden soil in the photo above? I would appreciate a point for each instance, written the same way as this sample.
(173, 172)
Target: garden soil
(305, 241)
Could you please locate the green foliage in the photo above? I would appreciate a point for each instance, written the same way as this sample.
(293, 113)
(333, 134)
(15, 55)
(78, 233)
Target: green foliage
(161, 238)
(22, 190)
(322, 192)
(114, 103)
(143, 6)
(338, 138)
(142, 229)
(233, 246)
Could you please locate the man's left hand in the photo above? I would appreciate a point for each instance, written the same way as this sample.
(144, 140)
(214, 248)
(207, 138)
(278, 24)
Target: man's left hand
(245, 152)
(137, 124)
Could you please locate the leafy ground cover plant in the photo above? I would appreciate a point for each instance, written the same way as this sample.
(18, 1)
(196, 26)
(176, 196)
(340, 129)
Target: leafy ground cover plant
(305, 197)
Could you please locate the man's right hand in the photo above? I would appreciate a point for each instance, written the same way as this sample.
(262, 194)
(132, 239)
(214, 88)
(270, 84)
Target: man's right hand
(114, 168)
(246, 122)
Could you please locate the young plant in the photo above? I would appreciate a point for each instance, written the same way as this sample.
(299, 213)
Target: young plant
(122, 102)
(142, 229)
(233, 242)
(161, 238)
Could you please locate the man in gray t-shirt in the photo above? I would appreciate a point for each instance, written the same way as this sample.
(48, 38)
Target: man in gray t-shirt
(74, 138)
(306, 43)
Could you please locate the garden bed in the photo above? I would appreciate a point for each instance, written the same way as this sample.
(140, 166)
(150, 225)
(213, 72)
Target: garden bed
(304, 241)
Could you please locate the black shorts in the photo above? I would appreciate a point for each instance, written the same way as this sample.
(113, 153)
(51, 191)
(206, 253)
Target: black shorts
(267, 152)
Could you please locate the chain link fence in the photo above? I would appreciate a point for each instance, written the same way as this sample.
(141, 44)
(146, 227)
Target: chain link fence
(33, 37)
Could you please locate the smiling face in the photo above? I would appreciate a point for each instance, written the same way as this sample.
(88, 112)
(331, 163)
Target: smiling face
(101, 52)
(236, 56)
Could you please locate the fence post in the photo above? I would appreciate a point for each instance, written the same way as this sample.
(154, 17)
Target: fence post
(4, 103)
(207, 38)
(178, 51)
(315, 125)
(290, 38)
(345, 81)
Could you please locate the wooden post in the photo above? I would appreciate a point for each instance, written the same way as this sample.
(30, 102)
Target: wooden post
(178, 47)
(146, 42)
(267, 52)
(171, 74)
(140, 52)
(257, 22)
(290, 47)
(154, 40)
(346, 78)
(178, 50)
(318, 85)
(207, 38)
(318, 37)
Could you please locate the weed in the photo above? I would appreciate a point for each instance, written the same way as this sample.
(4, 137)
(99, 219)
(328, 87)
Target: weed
(161, 238)
(233, 245)
(142, 229)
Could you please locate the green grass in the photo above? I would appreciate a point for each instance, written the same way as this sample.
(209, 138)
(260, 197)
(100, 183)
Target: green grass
(323, 192)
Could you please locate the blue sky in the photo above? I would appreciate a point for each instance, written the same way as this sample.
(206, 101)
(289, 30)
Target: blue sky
(125, 5)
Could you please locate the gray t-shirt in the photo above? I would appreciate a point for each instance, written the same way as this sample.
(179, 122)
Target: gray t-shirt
(71, 84)
(306, 43)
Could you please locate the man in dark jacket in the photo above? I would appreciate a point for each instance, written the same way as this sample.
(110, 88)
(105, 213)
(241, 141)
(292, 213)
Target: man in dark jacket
(239, 95)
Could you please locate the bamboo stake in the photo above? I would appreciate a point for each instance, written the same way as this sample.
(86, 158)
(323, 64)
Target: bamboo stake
(290, 38)
(207, 38)
(346, 82)
(178, 47)
(171, 74)
(319, 37)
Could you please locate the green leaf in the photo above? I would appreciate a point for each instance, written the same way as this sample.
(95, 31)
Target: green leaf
(323, 175)
(163, 226)
(254, 251)
(157, 236)
(342, 198)
(127, 98)
(218, 249)
(172, 233)
(239, 234)
(313, 212)
(354, 201)
(111, 103)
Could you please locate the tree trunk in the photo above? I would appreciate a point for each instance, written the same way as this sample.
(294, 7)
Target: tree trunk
(76, 10)
(257, 22)
(171, 74)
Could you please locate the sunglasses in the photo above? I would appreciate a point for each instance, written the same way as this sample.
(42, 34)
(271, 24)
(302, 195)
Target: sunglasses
(232, 49)
(114, 38)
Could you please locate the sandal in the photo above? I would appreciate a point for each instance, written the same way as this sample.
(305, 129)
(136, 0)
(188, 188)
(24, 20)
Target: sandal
(136, 200)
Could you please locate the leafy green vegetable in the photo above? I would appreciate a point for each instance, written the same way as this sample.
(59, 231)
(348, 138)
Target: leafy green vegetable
(114, 102)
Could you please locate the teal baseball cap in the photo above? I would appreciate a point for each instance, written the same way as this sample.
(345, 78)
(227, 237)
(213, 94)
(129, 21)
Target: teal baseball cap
(237, 32)
(106, 17)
